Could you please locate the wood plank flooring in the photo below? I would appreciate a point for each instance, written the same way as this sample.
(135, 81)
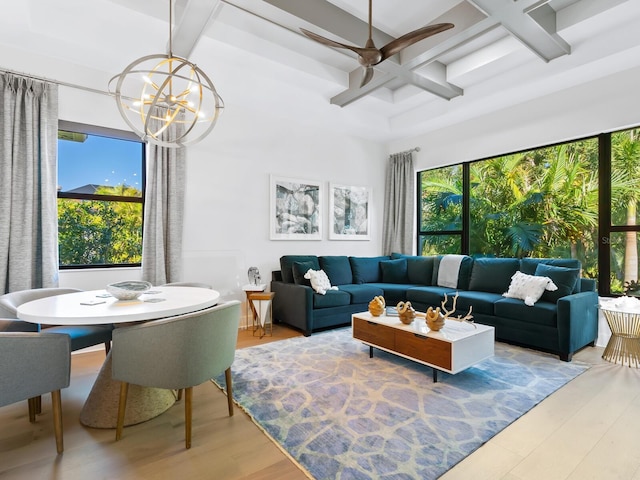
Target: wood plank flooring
(588, 429)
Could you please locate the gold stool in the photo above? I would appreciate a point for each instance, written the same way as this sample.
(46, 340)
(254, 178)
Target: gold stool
(262, 312)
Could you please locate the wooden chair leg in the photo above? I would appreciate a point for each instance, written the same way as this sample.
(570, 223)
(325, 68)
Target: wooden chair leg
(56, 403)
(188, 395)
(107, 347)
(227, 378)
(124, 390)
(33, 409)
(38, 404)
(179, 395)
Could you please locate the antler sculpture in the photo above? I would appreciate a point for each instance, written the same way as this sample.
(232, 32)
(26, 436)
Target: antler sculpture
(447, 313)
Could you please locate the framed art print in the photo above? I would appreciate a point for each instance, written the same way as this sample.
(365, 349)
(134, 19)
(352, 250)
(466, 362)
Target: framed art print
(349, 209)
(296, 209)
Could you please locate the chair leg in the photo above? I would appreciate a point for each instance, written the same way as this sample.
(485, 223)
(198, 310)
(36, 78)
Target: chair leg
(227, 378)
(188, 395)
(179, 397)
(107, 347)
(38, 404)
(124, 389)
(33, 409)
(56, 403)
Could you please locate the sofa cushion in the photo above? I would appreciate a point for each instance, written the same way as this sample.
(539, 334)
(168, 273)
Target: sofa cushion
(430, 296)
(393, 292)
(337, 268)
(564, 278)
(419, 269)
(319, 281)
(299, 269)
(492, 274)
(544, 313)
(482, 302)
(333, 298)
(528, 287)
(394, 271)
(529, 265)
(463, 273)
(361, 293)
(286, 265)
(366, 269)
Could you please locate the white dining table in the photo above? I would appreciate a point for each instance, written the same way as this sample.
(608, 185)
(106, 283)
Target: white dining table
(97, 307)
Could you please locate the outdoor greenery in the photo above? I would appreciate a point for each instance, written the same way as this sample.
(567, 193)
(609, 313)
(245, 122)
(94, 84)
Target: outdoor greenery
(539, 203)
(100, 232)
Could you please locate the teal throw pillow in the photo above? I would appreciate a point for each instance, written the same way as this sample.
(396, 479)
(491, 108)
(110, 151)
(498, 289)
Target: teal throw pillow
(299, 269)
(564, 278)
(394, 271)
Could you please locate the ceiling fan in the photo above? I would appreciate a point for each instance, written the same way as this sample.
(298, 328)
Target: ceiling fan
(369, 55)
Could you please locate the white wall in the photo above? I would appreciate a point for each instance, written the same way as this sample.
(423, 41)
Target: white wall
(608, 104)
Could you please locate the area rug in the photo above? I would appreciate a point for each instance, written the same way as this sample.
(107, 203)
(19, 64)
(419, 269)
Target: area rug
(343, 415)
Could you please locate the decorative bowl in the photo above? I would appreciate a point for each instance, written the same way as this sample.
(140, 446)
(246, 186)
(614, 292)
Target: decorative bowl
(128, 290)
(377, 305)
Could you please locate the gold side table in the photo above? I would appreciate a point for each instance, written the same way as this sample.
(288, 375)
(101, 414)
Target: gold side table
(248, 290)
(624, 344)
(263, 318)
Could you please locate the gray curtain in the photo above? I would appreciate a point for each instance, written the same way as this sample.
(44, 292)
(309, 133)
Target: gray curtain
(163, 214)
(28, 183)
(399, 204)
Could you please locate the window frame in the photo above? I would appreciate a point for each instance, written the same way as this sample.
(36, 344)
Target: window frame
(115, 134)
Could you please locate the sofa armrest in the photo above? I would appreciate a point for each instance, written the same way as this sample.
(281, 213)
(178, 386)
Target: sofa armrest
(577, 322)
(293, 305)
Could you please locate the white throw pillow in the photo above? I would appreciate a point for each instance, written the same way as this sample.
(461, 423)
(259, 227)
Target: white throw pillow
(319, 281)
(529, 287)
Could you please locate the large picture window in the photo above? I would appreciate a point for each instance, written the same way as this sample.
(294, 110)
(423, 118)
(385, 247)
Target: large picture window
(100, 197)
(577, 199)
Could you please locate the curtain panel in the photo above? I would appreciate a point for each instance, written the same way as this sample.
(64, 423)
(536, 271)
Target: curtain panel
(399, 204)
(28, 183)
(163, 215)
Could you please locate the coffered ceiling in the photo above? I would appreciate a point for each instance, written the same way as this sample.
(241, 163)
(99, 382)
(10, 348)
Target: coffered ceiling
(500, 52)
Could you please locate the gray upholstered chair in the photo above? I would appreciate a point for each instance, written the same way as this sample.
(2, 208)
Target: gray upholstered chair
(82, 336)
(32, 364)
(177, 353)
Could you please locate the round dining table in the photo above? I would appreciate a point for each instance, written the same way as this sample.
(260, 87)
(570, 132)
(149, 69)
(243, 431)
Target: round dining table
(97, 307)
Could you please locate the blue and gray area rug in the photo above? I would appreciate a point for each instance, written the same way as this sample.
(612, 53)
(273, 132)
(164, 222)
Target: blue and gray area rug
(342, 415)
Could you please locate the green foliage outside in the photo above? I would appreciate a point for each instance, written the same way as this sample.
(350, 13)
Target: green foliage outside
(100, 232)
(540, 203)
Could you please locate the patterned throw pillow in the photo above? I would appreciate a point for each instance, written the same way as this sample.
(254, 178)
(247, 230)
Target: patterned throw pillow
(529, 287)
(319, 281)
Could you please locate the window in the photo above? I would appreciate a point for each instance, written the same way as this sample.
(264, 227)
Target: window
(577, 199)
(100, 196)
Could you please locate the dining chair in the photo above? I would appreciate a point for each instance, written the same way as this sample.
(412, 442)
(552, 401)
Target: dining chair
(82, 336)
(32, 364)
(177, 353)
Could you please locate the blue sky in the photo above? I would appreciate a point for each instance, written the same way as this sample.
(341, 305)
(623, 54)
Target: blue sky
(100, 161)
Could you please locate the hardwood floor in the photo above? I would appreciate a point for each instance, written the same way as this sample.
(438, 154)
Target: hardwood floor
(588, 429)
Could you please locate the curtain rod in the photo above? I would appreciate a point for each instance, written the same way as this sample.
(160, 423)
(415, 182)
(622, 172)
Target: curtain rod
(414, 149)
(57, 82)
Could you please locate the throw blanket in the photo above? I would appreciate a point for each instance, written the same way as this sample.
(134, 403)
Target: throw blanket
(448, 271)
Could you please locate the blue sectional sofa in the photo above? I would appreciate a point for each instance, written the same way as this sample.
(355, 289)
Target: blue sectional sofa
(562, 321)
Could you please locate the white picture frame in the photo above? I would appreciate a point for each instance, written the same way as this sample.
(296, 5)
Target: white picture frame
(295, 209)
(350, 212)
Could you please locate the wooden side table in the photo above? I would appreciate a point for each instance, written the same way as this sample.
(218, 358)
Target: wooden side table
(261, 306)
(248, 290)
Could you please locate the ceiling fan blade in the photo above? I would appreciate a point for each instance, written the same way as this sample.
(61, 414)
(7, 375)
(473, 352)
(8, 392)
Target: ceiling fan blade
(330, 43)
(367, 75)
(410, 38)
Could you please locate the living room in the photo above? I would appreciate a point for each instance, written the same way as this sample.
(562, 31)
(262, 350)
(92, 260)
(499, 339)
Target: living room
(278, 119)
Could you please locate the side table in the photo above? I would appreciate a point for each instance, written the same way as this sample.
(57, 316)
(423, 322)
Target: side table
(263, 318)
(623, 317)
(248, 290)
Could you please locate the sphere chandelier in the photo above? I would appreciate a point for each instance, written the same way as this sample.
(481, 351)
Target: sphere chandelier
(166, 99)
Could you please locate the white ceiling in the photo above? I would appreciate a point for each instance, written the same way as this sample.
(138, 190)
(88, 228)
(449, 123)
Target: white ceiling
(500, 52)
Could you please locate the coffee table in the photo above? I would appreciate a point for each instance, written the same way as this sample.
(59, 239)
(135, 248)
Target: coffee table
(456, 347)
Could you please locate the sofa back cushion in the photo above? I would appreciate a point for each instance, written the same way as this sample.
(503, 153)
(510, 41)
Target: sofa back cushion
(394, 271)
(419, 269)
(493, 274)
(529, 265)
(287, 261)
(464, 271)
(366, 269)
(299, 271)
(338, 269)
